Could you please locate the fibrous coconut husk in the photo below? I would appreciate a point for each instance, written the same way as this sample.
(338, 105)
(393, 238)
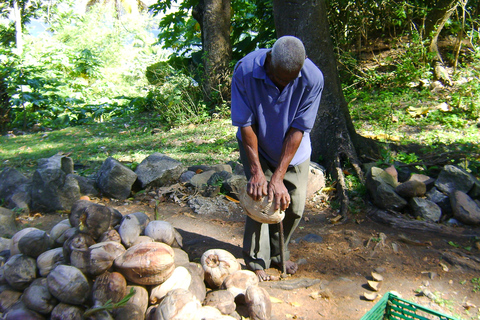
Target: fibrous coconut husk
(68, 284)
(37, 297)
(258, 303)
(262, 211)
(218, 264)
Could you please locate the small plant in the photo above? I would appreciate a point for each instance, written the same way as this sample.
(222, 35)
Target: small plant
(476, 284)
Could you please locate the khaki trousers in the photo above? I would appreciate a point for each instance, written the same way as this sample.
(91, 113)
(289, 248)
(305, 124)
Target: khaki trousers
(261, 241)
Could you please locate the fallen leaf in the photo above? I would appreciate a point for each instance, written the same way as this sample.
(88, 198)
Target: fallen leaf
(444, 266)
(295, 304)
(275, 300)
(231, 199)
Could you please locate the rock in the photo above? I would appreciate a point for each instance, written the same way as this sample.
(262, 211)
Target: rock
(7, 223)
(186, 176)
(465, 209)
(393, 172)
(234, 184)
(115, 180)
(383, 194)
(474, 193)
(425, 209)
(452, 178)
(441, 199)
(218, 178)
(428, 181)
(204, 168)
(411, 188)
(87, 186)
(12, 182)
(53, 190)
(316, 179)
(200, 180)
(58, 161)
(158, 170)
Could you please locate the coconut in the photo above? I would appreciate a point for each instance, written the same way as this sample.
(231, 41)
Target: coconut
(34, 243)
(262, 211)
(218, 264)
(20, 270)
(68, 284)
(238, 282)
(129, 312)
(16, 238)
(65, 311)
(181, 257)
(48, 260)
(163, 231)
(180, 278)
(102, 255)
(37, 297)
(132, 226)
(140, 298)
(56, 233)
(197, 284)
(8, 297)
(76, 250)
(147, 263)
(21, 313)
(178, 304)
(109, 286)
(223, 300)
(141, 239)
(258, 303)
(91, 218)
(110, 235)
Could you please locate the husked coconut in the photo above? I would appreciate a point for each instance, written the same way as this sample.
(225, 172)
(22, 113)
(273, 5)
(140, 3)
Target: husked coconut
(34, 243)
(48, 260)
(141, 239)
(22, 312)
(180, 278)
(262, 211)
(20, 270)
(109, 286)
(110, 235)
(68, 284)
(132, 226)
(178, 304)
(37, 297)
(147, 263)
(238, 282)
(91, 218)
(212, 313)
(66, 235)
(181, 257)
(258, 303)
(64, 311)
(163, 231)
(223, 300)
(16, 238)
(8, 297)
(56, 233)
(129, 312)
(197, 284)
(140, 298)
(102, 255)
(218, 264)
(77, 249)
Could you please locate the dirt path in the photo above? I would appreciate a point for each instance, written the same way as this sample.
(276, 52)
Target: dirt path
(333, 273)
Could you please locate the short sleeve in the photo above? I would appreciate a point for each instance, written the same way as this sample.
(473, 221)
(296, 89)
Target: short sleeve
(242, 115)
(305, 117)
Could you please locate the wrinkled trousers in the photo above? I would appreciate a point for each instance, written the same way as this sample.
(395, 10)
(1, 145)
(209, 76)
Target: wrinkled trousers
(261, 241)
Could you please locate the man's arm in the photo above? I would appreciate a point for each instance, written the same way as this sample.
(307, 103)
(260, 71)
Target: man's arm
(257, 184)
(276, 188)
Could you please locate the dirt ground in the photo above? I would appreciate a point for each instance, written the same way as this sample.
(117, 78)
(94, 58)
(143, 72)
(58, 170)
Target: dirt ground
(333, 273)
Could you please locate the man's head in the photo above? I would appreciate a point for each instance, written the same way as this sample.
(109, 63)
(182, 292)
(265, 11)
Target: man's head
(286, 60)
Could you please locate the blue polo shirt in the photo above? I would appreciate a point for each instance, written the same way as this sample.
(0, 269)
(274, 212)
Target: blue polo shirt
(257, 102)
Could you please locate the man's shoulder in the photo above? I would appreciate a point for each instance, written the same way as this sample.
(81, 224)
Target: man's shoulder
(311, 72)
(252, 60)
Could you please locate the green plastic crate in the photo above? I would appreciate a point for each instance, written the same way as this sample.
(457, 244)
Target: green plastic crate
(391, 307)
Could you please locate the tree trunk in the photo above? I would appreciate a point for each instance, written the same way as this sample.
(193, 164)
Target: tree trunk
(334, 139)
(18, 27)
(214, 19)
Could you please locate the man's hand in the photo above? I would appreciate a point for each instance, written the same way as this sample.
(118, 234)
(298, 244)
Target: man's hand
(257, 186)
(278, 192)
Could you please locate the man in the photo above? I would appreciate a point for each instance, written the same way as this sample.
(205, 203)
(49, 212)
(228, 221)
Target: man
(275, 98)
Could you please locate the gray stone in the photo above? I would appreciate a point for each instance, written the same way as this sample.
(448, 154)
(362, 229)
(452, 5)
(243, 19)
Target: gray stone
(186, 176)
(383, 194)
(452, 178)
(239, 169)
(217, 178)
(115, 180)
(12, 182)
(87, 186)
(20, 201)
(158, 170)
(428, 181)
(411, 188)
(465, 209)
(425, 209)
(57, 161)
(311, 237)
(53, 190)
(234, 184)
(393, 172)
(200, 180)
(316, 179)
(474, 193)
(217, 167)
(5, 244)
(441, 199)
(7, 223)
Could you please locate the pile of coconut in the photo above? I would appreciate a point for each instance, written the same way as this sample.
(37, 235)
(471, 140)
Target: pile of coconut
(99, 264)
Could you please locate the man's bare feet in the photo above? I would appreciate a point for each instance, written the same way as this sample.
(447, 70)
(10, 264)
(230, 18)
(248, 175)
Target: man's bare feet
(263, 276)
(290, 267)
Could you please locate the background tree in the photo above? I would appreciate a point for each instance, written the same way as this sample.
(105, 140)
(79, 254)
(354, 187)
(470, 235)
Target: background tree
(334, 139)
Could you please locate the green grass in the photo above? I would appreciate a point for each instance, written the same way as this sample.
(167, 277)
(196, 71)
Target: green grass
(127, 140)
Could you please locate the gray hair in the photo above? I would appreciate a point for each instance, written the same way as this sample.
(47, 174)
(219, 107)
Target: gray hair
(288, 53)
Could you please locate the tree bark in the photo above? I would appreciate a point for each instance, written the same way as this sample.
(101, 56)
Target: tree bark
(334, 139)
(214, 19)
